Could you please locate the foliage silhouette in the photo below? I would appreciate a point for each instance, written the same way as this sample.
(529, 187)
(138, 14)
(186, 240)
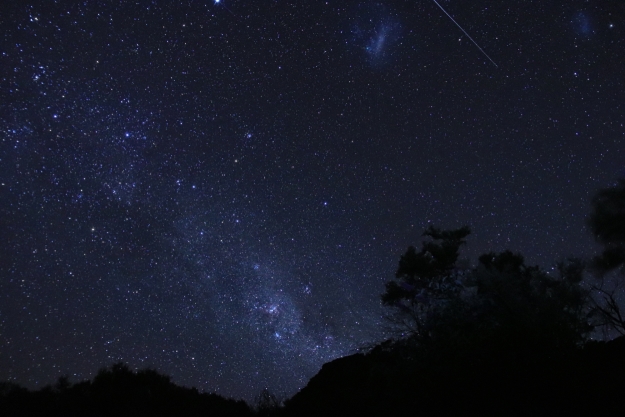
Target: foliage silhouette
(267, 404)
(424, 280)
(501, 339)
(607, 224)
(117, 391)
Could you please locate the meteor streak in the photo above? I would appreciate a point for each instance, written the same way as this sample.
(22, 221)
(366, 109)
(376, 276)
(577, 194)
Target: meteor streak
(465, 32)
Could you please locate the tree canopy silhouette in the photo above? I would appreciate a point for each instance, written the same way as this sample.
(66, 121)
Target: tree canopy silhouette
(500, 338)
(424, 279)
(501, 301)
(607, 224)
(117, 391)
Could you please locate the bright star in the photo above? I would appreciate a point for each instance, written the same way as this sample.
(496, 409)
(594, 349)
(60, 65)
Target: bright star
(224, 6)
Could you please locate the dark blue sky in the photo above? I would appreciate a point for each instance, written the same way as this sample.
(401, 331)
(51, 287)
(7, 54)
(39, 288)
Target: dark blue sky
(220, 191)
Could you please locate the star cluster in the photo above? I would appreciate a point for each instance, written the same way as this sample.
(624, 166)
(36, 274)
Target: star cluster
(220, 190)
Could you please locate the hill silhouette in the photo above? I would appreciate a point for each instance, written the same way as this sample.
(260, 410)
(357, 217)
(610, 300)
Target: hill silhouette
(588, 381)
(387, 381)
(117, 391)
(499, 339)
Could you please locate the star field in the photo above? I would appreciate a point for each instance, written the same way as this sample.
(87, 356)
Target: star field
(220, 190)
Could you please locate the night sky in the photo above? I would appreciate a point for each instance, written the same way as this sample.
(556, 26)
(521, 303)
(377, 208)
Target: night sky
(220, 190)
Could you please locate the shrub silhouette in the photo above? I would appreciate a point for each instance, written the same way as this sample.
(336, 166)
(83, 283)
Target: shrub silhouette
(117, 391)
(501, 339)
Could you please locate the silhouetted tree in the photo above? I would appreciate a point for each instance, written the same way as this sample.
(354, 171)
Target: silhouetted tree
(120, 392)
(267, 403)
(527, 305)
(62, 384)
(502, 301)
(607, 224)
(424, 280)
(607, 307)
